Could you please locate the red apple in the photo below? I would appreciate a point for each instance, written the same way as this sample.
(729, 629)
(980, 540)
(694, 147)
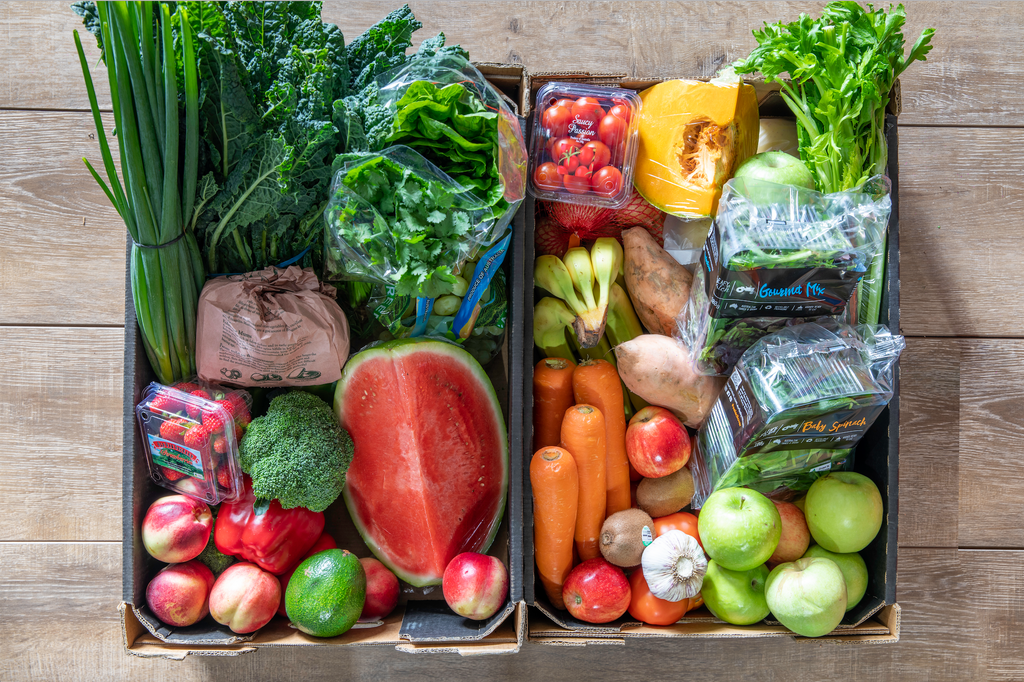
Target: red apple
(179, 594)
(596, 591)
(475, 585)
(657, 443)
(795, 536)
(176, 528)
(245, 597)
(324, 542)
(381, 590)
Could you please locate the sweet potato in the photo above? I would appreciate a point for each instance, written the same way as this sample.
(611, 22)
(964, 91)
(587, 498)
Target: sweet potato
(659, 369)
(657, 284)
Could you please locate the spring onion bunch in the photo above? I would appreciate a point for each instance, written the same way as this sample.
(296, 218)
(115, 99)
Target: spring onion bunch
(156, 191)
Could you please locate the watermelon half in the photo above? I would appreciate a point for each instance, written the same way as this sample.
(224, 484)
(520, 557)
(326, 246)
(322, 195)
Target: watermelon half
(430, 472)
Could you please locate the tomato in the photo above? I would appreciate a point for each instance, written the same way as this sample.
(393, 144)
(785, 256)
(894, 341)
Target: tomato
(567, 103)
(649, 609)
(595, 155)
(556, 120)
(612, 130)
(584, 172)
(607, 182)
(546, 177)
(683, 521)
(566, 153)
(577, 184)
(586, 105)
(621, 111)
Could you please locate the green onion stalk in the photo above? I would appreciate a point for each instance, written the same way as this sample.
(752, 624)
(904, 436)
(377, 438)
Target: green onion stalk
(156, 190)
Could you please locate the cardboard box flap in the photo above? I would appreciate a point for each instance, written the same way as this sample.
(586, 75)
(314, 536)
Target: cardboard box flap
(433, 621)
(205, 632)
(138, 641)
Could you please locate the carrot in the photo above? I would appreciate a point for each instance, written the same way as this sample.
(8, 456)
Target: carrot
(555, 482)
(583, 435)
(552, 396)
(595, 382)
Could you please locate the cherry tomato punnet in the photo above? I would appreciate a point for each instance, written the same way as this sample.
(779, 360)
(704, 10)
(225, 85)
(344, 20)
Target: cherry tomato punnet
(607, 182)
(649, 609)
(683, 521)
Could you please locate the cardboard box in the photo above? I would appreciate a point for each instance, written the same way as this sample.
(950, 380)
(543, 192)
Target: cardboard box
(877, 617)
(422, 623)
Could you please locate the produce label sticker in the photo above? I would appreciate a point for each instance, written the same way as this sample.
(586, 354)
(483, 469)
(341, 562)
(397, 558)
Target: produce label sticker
(176, 456)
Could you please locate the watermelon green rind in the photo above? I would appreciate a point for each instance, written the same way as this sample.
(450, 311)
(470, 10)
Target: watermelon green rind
(396, 349)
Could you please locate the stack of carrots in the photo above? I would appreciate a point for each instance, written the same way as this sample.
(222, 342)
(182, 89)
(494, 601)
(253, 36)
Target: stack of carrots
(579, 473)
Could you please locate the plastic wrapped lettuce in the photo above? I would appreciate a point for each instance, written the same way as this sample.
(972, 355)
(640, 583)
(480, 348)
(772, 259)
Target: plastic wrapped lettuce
(796, 404)
(778, 255)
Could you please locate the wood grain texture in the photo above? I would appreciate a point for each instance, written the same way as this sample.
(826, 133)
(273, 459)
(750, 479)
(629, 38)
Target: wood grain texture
(965, 81)
(929, 428)
(81, 581)
(60, 433)
(991, 444)
(62, 245)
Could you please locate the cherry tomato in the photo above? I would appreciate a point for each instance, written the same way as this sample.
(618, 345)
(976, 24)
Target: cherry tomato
(567, 103)
(649, 609)
(612, 130)
(577, 184)
(607, 182)
(566, 153)
(584, 172)
(587, 104)
(683, 521)
(556, 120)
(621, 111)
(595, 155)
(546, 177)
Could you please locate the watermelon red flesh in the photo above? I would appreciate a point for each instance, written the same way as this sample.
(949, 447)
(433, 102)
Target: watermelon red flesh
(430, 472)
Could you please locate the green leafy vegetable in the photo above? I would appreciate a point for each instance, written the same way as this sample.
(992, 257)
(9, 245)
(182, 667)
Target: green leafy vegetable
(398, 226)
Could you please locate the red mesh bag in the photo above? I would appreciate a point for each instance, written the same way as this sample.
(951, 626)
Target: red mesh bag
(557, 222)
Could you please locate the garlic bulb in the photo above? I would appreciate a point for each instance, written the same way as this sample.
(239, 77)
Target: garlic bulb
(674, 566)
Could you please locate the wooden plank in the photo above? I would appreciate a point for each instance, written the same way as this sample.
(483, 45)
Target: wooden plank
(929, 421)
(60, 622)
(965, 81)
(62, 245)
(961, 194)
(991, 444)
(60, 433)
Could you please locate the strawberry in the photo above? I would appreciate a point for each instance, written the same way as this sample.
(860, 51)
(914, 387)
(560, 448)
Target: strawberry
(238, 399)
(198, 437)
(166, 403)
(171, 474)
(224, 477)
(186, 387)
(220, 445)
(193, 408)
(239, 432)
(174, 429)
(213, 419)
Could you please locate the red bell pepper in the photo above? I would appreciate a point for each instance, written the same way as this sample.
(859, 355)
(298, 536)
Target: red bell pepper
(273, 538)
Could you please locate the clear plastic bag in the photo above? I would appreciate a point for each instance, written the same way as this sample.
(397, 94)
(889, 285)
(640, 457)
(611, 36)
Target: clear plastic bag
(810, 388)
(778, 255)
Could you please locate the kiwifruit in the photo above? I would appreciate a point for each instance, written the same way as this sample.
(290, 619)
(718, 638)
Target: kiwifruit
(665, 495)
(623, 536)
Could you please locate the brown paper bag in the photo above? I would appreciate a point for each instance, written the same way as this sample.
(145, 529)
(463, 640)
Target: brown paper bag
(271, 327)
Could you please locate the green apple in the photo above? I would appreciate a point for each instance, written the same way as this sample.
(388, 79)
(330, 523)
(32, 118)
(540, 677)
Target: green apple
(843, 511)
(855, 572)
(777, 167)
(808, 595)
(736, 597)
(739, 528)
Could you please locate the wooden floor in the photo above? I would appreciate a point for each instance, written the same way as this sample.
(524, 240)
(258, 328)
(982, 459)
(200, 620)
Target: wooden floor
(961, 512)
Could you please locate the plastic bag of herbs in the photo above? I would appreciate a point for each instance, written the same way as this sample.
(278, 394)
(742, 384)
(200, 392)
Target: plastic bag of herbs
(797, 403)
(778, 255)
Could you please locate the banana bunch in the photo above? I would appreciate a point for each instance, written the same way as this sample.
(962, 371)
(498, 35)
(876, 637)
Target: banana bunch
(583, 280)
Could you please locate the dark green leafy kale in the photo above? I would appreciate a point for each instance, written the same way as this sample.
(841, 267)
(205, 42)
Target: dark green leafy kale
(297, 453)
(91, 20)
(382, 47)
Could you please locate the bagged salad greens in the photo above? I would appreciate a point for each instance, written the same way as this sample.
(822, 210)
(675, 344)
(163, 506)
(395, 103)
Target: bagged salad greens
(778, 255)
(796, 404)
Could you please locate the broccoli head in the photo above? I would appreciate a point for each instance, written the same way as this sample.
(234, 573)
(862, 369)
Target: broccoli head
(297, 453)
